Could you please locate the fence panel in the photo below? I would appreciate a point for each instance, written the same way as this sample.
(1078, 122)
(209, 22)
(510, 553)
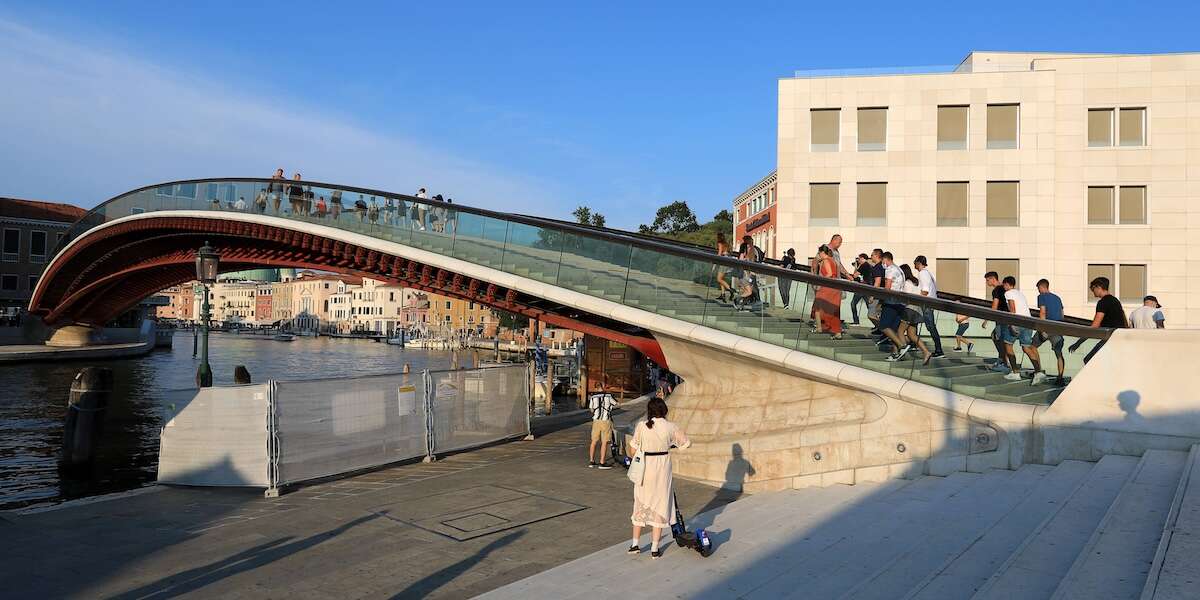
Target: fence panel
(334, 426)
(215, 437)
(472, 407)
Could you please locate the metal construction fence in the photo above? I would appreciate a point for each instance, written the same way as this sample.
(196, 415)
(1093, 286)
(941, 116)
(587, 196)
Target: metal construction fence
(285, 432)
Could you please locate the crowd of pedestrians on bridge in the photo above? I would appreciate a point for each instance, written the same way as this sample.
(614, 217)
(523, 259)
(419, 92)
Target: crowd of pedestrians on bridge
(897, 324)
(435, 214)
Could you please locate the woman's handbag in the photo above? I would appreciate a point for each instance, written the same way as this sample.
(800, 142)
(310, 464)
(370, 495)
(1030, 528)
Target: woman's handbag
(637, 468)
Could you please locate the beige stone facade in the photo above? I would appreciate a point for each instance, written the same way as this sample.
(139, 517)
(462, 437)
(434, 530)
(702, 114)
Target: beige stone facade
(1040, 165)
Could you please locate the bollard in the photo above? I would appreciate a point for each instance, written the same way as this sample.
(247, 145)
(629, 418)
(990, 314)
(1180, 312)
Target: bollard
(85, 416)
(241, 375)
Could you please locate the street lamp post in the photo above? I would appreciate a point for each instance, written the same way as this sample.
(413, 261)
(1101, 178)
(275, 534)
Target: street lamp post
(207, 261)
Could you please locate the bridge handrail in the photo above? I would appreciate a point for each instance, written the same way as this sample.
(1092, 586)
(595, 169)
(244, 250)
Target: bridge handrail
(959, 305)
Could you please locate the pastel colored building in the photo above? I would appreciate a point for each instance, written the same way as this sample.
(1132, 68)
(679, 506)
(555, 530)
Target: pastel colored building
(1036, 165)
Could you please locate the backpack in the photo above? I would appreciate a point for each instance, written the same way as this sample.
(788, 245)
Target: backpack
(758, 255)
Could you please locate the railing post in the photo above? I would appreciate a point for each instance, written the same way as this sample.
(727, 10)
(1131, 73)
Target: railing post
(273, 485)
(427, 406)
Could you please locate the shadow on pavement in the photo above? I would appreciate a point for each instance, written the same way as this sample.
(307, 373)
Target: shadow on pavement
(426, 585)
(247, 560)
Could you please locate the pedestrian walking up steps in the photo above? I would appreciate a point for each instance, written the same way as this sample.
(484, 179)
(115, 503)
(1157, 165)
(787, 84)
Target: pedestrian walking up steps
(1123, 527)
(967, 374)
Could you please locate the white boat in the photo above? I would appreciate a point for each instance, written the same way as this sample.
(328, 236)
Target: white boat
(283, 337)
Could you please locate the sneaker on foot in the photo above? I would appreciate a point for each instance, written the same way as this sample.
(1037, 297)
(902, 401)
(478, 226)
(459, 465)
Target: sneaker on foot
(591, 465)
(634, 549)
(958, 349)
(901, 352)
(939, 354)
(656, 553)
(1000, 367)
(1038, 378)
(893, 357)
(1013, 376)
(603, 466)
(970, 347)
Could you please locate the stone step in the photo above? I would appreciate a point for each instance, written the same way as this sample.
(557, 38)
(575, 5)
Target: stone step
(611, 570)
(971, 558)
(850, 553)
(754, 553)
(1035, 569)
(1175, 572)
(1117, 559)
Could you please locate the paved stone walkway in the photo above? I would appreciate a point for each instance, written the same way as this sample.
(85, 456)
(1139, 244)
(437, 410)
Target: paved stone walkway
(443, 530)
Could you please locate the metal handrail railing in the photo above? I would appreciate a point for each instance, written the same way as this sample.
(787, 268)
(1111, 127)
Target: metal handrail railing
(1064, 328)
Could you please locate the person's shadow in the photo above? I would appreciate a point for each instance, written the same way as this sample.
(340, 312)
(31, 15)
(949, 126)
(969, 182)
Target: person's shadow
(1128, 401)
(736, 473)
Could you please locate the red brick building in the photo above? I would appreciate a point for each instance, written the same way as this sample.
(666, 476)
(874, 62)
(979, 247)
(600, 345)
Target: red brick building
(754, 215)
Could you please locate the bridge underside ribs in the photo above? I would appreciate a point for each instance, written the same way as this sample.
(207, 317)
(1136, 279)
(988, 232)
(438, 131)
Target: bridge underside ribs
(111, 269)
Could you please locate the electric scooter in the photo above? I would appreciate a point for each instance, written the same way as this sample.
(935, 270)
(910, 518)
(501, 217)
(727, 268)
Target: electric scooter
(698, 541)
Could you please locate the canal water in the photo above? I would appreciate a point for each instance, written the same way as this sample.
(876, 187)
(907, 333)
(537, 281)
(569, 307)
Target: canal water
(33, 398)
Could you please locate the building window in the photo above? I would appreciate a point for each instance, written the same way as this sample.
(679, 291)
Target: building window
(953, 206)
(825, 131)
(8, 283)
(952, 275)
(1003, 204)
(12, 245)
(823, 204)
(1132, 209)
(33, 279)
(1100, 205)
(1100, 127)
(872, 204)
(952, 127)
(1003, 267)
(872, 129)
(1132, 126)
(37, 246)
(1003, 125)
(1131, 282)
(1099, 270)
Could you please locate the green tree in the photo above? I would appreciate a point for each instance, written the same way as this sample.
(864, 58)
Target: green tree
(702, 235)
(585, 216)
(674, 218)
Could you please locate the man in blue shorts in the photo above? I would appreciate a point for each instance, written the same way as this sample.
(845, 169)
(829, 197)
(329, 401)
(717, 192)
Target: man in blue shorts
(1051, 308)
(1019, 305)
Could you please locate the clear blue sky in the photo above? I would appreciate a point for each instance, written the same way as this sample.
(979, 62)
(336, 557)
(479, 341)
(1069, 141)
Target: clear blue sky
(531, 107)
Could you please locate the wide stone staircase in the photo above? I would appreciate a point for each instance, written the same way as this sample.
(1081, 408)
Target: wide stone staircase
(671, 293)
(1123, 527)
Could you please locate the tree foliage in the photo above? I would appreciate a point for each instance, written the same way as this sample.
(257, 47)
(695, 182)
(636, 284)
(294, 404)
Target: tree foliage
(673, 219)
(703, 235)
(585, 216)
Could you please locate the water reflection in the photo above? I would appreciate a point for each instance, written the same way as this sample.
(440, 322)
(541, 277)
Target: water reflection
(33, 400)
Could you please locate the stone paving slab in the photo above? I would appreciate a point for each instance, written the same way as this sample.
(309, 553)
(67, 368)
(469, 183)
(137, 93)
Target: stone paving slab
(327, 540)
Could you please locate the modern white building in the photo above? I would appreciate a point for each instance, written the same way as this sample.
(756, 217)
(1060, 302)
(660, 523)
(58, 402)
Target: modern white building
(1062, 166)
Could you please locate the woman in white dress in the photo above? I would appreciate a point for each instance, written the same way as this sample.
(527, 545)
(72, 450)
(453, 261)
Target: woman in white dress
(653, 501)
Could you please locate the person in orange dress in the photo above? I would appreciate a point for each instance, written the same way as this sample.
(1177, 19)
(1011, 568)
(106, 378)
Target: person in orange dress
(828, 302)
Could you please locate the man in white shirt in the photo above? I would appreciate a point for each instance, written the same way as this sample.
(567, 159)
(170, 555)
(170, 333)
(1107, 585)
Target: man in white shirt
(1148, 316)
(240, 204)
(928, 287)
(1019, 305)
(601, 404)
(893, 309)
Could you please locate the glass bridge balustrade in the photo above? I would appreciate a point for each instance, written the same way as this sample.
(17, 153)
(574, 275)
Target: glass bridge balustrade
(753, 300)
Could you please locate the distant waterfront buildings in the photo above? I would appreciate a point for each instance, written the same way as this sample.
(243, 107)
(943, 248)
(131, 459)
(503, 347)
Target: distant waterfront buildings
(331, 303)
